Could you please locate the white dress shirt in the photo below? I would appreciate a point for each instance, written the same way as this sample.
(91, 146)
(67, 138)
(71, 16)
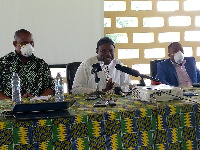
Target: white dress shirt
(84, 81)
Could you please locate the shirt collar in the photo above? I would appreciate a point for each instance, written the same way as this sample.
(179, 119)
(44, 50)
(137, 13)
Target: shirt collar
(175, 64)
(30, 57)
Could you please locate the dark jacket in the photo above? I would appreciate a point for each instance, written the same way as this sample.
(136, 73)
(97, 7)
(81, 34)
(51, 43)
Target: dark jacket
(166, 72)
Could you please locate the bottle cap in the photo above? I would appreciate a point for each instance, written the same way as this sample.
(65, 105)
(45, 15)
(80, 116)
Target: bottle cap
(15, 74)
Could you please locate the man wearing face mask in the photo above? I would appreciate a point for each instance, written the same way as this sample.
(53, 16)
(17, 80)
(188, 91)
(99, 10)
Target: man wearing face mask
(178, 70)
(84, 81)
(34, 73)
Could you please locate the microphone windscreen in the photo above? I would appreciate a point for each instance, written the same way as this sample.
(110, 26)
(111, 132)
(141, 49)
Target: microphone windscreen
(97, 67)
(118, 90)
(118, 66)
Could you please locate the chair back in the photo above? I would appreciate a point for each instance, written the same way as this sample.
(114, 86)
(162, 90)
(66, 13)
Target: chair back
(71, 69)
(153, 67)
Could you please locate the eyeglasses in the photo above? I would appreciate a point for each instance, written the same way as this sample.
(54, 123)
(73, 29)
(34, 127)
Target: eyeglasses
(174, 53)
(171, 54)
(24, 43)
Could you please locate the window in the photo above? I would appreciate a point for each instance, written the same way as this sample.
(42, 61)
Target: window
(168, 5)
(141, 5)
(169, 37)
(153, 22)
(128, 53)
(114, 5)
(154, 53)
(122, 22)
(192, 36)
(118, 37)
(180, 21)
(107, 22)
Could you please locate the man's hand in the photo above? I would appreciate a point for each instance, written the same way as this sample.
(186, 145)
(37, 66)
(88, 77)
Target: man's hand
(27, 95)
(3, 96)
(109, 85)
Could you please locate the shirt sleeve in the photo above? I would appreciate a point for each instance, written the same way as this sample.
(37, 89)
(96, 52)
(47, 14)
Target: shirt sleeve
(80, 84)
(198, 76)
(48, 79)
(161, 75)
(196, 69)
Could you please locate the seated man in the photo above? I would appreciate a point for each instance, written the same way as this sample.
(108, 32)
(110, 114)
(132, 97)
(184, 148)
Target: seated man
(84, 81)
(34, 73)
(178, 70)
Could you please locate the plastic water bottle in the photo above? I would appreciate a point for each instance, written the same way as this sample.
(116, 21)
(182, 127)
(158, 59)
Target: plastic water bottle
(16, 94)
(59, 91)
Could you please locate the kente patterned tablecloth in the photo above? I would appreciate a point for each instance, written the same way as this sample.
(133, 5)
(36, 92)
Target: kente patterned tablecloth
(131, 124)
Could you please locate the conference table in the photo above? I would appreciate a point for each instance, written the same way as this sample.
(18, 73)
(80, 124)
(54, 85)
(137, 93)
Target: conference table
(131, 124)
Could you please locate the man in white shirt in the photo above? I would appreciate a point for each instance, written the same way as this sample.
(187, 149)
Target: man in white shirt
(110, 77)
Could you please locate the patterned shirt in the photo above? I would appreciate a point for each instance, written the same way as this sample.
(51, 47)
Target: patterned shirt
(35, 76)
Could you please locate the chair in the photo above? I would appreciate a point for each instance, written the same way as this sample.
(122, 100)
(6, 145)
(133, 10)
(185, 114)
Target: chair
(153, 70)
(153, 67)
(71, 69)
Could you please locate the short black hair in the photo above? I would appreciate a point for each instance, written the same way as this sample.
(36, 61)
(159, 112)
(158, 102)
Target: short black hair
(105, 40)
(170, 45)
(18, 32)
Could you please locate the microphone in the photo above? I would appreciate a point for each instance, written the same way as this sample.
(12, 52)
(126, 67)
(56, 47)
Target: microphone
(148, 77)
(134, 72)
(127, 70)
(118, 91)
(96, 68)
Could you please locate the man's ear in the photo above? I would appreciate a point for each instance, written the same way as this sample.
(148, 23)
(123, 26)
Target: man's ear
(97, 50)
(15, 43)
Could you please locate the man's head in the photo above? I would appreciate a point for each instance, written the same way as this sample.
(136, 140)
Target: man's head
(23, 37)
(174, 50)
(105, 50)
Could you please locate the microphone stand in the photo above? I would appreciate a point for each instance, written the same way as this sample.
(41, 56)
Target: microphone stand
(142, 83)
(97, 79)
(149, 77)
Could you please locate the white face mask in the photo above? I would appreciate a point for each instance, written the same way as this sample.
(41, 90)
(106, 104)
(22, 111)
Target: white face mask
(27, 50)
(178, 57)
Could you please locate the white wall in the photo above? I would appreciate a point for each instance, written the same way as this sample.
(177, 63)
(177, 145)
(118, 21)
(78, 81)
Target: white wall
(64, 30)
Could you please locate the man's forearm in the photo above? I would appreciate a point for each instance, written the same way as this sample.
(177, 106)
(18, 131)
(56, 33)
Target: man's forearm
(3, 96)
(48, 92)
(82, 90)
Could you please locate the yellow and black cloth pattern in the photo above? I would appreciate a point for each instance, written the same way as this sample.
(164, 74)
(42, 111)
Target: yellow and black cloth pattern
(130, 125)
